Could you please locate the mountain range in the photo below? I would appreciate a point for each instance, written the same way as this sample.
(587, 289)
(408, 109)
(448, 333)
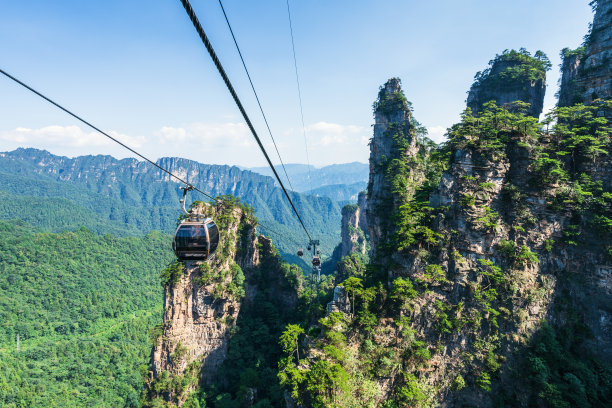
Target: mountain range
(129, 197)
(307, 178)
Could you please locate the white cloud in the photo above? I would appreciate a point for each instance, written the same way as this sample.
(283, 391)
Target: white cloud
(334, 128)
(172, 134)
(436, 133)
(219, 143)
(327, 134)
(209, 136)
(213, 143)
(56, 136)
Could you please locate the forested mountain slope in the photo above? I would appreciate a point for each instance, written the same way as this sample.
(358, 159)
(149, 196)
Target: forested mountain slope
(134, 195)
(82, 305)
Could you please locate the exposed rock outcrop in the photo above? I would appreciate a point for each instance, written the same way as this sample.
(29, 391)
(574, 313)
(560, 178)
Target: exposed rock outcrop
(587, 72)
(491, 221)
(512, 76)
(487, 263)
(568, 87)
(354, 228)
(201, 304)
(209, 308)
(392, 115)
(340, 302)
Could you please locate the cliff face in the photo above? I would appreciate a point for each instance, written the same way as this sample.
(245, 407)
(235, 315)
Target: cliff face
(490, 283)
(587, 72)
(462, 304)
(503, 217)
(354, 228)
(393, 116)
(223, 317)
(568, 88)
(499, 262)
(512, 76)
(202, 302)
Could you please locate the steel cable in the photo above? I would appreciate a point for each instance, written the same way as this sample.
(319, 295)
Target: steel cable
(297, 80)
(230, 87)
(124, 145)
(255, 93)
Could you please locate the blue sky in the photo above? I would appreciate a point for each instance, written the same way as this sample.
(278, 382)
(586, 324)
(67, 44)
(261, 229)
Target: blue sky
(137, 69)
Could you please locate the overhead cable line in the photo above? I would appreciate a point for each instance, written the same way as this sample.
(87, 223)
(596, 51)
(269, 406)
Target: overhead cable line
(230, 87)
(104, 133)
(297, 80)
(266, 229)
(189, 185)
(255, 92)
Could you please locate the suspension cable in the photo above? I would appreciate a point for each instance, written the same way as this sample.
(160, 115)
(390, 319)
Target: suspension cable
(255, 93)
(104, 133)
(297, 80)
(189, 185)
(230, 87)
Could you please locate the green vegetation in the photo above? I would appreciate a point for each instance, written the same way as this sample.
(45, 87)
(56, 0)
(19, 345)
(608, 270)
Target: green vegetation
(492, 130)
(56, 207)
(350, 354)
(115, 198)
(265, 327)
(582, 134)
(102, 369)
(563, 375)
(390, 103)
(568, 53)
(171, 274)
(520, 67)
(83, 306)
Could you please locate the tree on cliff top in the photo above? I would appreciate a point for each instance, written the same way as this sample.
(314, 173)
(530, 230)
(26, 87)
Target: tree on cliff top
(520, 66)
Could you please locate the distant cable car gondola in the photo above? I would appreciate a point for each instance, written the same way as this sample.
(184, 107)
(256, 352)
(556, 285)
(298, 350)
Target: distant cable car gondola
(196, 237)
(316, 261)
(300, 252)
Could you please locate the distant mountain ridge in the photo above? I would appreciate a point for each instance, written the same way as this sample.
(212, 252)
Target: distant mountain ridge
(340, 192)
(334, 174)
(127, 192)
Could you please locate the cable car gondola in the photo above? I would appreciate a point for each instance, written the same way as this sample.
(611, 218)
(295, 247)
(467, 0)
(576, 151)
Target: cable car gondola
(316, 261)
(197, 237)
(300, 252)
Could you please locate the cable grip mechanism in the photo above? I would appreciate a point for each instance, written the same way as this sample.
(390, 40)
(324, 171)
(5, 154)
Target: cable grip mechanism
(182, 200)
